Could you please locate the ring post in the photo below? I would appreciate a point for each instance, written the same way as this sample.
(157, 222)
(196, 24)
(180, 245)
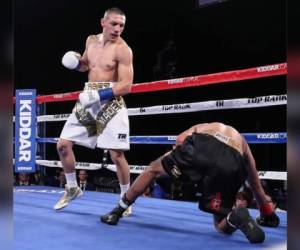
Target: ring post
(25, 131)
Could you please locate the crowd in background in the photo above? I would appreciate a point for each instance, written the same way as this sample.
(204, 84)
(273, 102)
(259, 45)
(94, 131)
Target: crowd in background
(162, 188)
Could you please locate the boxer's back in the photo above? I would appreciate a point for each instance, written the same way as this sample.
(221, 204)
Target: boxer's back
(224, 133)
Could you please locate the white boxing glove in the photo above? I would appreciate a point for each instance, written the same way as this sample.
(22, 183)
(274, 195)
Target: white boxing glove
(70, 60)
(89, 97)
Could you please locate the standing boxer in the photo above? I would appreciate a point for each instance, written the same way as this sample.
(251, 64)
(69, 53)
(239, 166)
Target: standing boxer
(218, 159)
(109, 62)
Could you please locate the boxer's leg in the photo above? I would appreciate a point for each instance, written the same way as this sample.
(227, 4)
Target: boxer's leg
(66, 155)
(138, 187)
(123, 173)
(144, 180)
(240, 218)
(222, 226)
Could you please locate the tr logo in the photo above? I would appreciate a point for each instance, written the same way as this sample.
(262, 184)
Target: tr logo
(219, 103)
(122, 136)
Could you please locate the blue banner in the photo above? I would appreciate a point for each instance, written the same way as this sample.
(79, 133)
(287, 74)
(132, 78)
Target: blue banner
(25, 131)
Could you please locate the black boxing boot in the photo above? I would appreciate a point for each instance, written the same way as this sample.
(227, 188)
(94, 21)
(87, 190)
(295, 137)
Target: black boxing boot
(240, 218)
(112, 218)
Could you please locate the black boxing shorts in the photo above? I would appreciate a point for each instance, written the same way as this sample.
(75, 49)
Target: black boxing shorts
(216, 167)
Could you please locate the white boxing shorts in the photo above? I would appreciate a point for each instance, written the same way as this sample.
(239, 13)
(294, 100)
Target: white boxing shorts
(106, 127)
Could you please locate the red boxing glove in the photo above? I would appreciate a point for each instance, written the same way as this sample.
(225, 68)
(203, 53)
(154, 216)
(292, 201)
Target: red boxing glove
(267, 217)
(266, 209)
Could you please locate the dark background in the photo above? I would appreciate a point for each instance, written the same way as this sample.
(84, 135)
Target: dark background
(228, 36)
(232, 35)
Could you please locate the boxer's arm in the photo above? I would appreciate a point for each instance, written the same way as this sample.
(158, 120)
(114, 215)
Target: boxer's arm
(267, 216)
(74, 61)
(253, 178)
(83, 60)
(83, 65)
(125, 71)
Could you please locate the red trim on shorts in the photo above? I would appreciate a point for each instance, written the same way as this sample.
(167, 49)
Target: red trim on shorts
(215, 202)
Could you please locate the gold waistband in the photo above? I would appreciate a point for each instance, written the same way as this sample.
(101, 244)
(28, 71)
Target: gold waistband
(97, 85)
(225, 139)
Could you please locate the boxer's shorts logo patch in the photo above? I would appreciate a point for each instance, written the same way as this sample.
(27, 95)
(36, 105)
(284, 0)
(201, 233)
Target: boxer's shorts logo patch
(175, 171)
(122, 137)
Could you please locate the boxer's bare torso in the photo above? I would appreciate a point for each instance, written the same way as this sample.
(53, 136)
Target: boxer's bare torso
(107, 57)
(102, 58)
(222, 132)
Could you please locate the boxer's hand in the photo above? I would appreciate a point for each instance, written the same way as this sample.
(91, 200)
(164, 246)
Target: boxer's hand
(271, 220)
(71, 60)
(89, 97)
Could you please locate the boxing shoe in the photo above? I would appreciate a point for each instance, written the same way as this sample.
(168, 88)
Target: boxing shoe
(89, 97)
(241, 219)
(128, 212)
(69, 194)
(112, 218)
(271, 220)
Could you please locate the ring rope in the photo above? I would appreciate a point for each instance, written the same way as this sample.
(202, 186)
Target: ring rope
(251, 138)
(260, 101)
(201, 80)
(192, 81)
(215, 78)
(137, 169)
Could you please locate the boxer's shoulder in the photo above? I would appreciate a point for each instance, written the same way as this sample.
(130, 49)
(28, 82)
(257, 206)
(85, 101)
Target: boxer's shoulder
(121, 44)
(123, 50)
(92, 39)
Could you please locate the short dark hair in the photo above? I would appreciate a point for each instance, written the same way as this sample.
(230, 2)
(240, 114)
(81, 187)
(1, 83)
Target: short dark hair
(245, 196)
(114, 10)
